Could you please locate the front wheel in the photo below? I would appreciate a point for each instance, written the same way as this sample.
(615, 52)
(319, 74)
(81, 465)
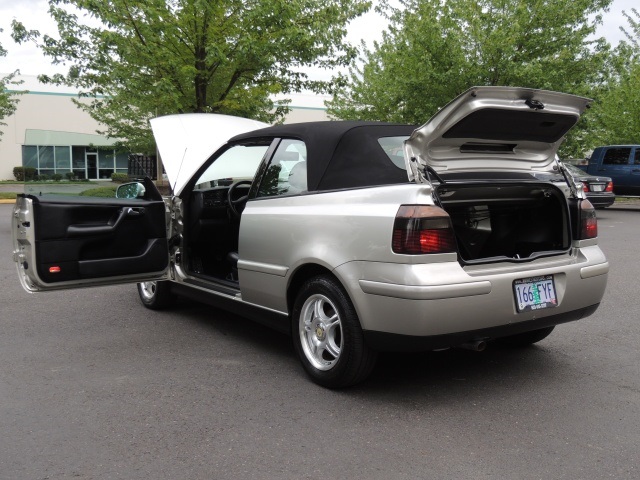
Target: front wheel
(156, 295)
(525, 339)
(327, 335)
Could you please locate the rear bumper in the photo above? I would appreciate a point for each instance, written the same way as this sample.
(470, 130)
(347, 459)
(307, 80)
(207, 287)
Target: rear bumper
(601, 200)
(437, 300)
(393, 342)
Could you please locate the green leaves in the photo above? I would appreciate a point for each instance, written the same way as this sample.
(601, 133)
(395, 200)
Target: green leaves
(617, 114)
(8, 100)
(435, 50)
(137, 60)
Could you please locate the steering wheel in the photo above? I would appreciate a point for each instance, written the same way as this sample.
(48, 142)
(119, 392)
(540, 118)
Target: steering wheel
(236, 206)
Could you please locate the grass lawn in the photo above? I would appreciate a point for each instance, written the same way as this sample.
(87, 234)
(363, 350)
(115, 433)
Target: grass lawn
(105, 192)
(627, 199)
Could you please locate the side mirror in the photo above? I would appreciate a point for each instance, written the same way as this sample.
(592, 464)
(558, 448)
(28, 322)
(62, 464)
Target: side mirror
(130, 190)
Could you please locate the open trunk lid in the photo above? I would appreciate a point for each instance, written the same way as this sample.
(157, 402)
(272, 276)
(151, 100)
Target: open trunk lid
(494, 129)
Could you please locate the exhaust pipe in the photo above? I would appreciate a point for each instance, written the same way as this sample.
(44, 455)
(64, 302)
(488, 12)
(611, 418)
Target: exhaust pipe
(475, 345)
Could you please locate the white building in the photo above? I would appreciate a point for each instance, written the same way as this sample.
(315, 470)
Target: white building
(48, 132)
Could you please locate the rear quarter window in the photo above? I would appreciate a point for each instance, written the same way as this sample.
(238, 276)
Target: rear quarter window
(392, 146)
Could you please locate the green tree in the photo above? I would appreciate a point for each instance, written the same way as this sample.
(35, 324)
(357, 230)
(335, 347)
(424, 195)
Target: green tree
(137, 60)
(617, 114)
(433, 51)
(633, 34)
(8, 100)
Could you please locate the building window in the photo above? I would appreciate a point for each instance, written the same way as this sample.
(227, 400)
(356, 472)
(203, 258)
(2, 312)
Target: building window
(106, 161)
(78, 162)
(62, 157)
(84, 162)
(46, 163)
(30, 156)
(122, 162)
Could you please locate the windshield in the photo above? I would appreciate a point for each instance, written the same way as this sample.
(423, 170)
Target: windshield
(238, 163)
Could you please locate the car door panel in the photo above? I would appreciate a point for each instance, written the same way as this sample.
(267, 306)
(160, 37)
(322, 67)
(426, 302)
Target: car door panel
(64, 242)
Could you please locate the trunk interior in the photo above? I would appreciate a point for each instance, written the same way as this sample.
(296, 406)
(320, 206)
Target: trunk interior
(507, 221)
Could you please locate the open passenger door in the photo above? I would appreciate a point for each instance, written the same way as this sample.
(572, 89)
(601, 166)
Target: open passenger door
(70, 242)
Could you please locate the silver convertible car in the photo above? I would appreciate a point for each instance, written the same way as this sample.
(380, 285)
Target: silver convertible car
(354, 237)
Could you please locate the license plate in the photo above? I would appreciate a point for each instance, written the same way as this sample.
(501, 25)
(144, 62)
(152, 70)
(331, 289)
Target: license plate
(535, 293)
(596, 187)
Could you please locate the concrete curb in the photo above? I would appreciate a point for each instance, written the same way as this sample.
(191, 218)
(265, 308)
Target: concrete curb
(7, 201)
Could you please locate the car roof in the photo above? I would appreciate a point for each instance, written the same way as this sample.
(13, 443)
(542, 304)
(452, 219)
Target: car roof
(341, 154)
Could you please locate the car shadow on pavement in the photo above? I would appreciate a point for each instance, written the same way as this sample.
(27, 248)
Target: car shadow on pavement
(444, 371)
(457, 373)
(240, 329)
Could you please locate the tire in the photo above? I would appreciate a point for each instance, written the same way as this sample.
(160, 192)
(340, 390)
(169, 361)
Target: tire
(525, 339)
(156, 295)
(327, 335)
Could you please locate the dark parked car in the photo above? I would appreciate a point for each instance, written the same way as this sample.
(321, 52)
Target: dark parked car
(599, 190)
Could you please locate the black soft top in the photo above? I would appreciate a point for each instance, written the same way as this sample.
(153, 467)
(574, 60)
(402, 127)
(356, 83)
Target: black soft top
(341, 154)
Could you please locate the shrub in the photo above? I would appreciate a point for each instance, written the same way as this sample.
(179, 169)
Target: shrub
(42, 178)
(18, 172)
(30, 174)
(56, 177)
(106, 192)
(120, 177)
(24, 174)
(70, 176)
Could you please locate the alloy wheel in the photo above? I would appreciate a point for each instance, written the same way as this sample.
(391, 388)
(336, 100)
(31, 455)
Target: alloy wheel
(320, 332)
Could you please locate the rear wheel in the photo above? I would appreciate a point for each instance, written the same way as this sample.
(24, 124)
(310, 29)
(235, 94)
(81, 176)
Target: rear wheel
(526, 338)
(156, 295)
(327, 335)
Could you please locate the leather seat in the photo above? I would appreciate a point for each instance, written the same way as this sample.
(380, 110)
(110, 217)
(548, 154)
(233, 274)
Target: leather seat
(298, 178)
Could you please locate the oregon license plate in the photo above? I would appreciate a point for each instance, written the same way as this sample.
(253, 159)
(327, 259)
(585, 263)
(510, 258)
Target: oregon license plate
(535, 293)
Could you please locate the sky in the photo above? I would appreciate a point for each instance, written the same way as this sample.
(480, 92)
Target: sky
(34, 14)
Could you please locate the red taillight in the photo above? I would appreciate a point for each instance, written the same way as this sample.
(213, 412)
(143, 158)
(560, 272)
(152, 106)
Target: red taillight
(585, 187)
(420, 229)
(588, 221)
(609, 187)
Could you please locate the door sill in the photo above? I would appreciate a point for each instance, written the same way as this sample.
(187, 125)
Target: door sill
(211, 283)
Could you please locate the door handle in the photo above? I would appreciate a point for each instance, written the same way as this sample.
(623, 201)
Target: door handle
(133, 211)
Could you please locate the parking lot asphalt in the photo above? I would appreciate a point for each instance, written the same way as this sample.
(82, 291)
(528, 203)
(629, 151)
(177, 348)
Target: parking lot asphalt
(95, 386)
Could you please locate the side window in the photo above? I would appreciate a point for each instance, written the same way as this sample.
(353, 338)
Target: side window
(238, 163)
(287, 171)
(636, 158)
(616, 156)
